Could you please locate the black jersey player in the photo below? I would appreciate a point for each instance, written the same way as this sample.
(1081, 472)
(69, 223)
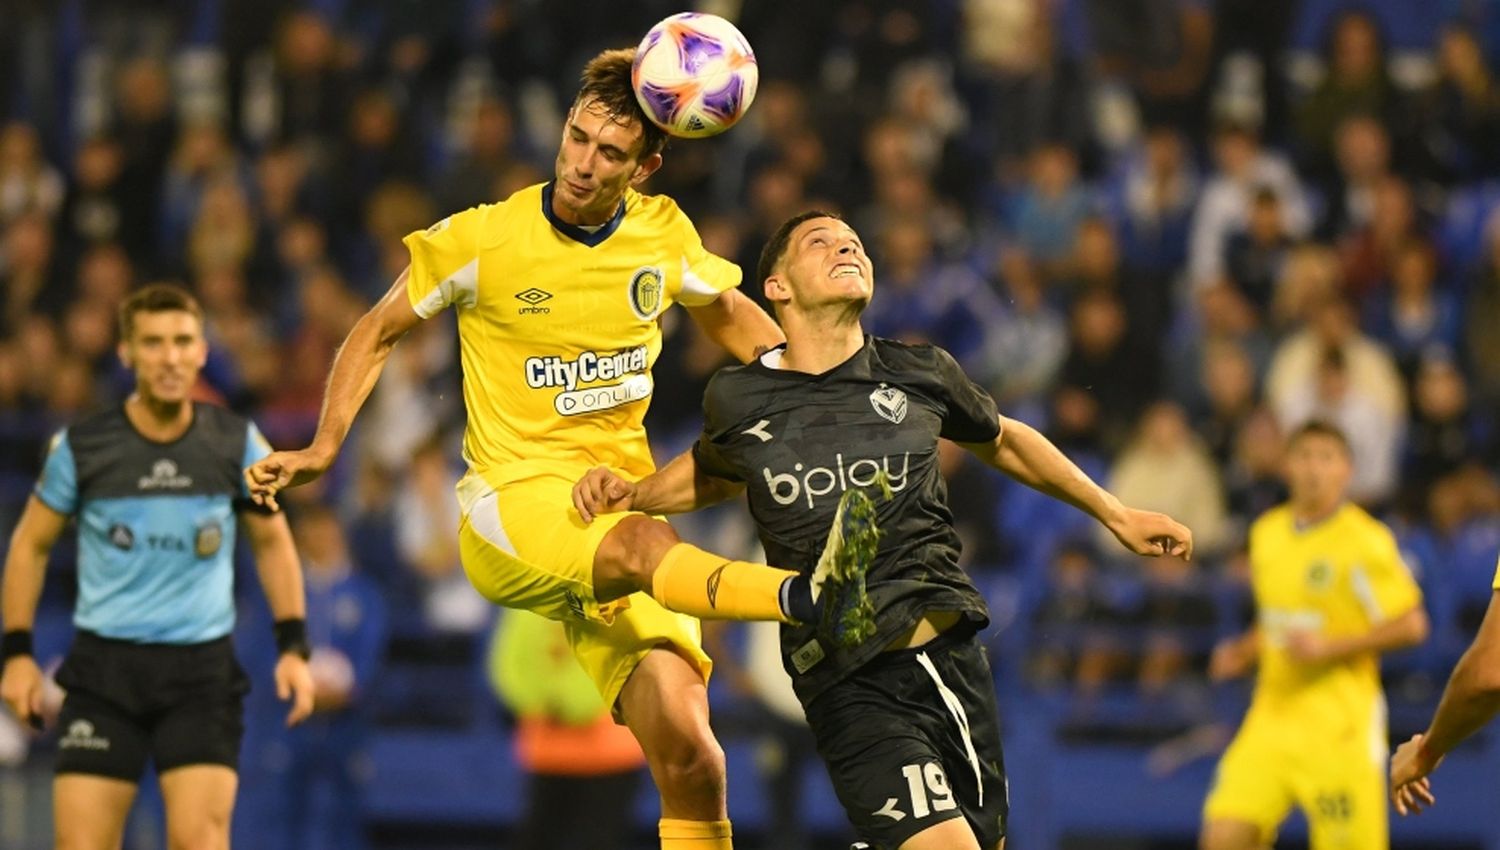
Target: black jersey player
(905, 719)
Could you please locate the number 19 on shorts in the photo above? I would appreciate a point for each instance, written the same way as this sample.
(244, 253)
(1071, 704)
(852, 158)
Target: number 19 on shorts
(929, 792)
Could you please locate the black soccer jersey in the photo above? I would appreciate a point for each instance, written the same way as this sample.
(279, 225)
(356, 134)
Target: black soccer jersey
(798, 441)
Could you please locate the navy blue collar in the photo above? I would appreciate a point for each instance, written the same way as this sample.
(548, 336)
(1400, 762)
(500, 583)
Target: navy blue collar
(573, 231)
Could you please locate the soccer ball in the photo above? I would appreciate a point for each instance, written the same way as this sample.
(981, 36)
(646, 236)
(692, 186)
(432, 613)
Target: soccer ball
(694, 75)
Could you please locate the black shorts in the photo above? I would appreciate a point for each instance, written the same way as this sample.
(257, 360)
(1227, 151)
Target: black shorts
(176, 704)
(910, 746)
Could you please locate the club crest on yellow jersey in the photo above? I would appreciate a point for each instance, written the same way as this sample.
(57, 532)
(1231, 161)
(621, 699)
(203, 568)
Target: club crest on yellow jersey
(646, 292)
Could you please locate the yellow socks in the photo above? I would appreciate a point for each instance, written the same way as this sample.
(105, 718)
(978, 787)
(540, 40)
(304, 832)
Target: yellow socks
(712, 587)
(694, 834)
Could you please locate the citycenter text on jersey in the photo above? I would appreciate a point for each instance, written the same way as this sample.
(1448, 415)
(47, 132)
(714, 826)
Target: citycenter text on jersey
(587, 368)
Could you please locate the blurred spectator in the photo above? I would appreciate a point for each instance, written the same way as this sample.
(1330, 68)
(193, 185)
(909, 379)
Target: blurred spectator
(1413, 317)
(1165, 468)
(1098, 265)
(1177, 615)
(28, 183)
(1461, 124)
(1254, 256)
(146, 130)
(1242, 167)
(203, 163)
(1363, 169)
(1482, 343)
(488, 150)
(96, 209)
(922, 299)
(1445, 434)
(1029, 340)
(1158, 192)
(1253, 475)
(1311, 275)
(1050, 209)
(29, 274)
(426, 518)
(1355, 82)
(1108, 364)
(1162, 50)
(318, 770)
(1331, 325)
(1333, 395)
(1229, 388)
(308, 93)
(576, 758)
(1079, 622)
(377, 148)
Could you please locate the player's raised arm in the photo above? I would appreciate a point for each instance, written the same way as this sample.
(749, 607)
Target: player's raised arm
(738, 325)
(679, 487)
(1470, 700)
(1021, 452)
(356, 368)
(25, 570)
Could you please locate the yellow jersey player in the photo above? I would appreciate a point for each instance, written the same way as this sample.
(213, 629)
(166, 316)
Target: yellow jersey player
(558, 290)
(1331, 594)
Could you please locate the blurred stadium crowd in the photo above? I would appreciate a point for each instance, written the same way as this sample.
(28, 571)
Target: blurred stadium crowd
(1163, 230)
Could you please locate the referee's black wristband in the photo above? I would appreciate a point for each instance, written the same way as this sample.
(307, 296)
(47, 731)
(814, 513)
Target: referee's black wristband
(15, 642)
(291, 636)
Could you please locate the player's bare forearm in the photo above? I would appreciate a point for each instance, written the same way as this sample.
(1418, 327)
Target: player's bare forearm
(1388, 635)
(681, 487)
(1472, 696)
(277, 564)
(358, 364)
(1021, 452)
(738, 325)
(26, 564)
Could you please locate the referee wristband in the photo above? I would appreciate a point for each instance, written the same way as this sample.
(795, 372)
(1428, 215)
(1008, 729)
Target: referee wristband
(15, 642)
(291, 636)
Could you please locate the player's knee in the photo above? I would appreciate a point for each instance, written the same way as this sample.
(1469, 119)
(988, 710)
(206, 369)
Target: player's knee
(695, 777)
(629, 554)
(1225, 835)
(208, 832)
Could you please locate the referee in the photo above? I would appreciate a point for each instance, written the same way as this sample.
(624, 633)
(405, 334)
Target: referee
(155, 486)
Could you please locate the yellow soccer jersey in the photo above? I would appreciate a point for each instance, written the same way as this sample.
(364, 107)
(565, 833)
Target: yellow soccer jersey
(557, 325)
(1337, 578)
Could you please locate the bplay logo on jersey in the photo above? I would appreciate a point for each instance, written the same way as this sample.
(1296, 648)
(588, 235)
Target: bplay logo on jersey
(80, 736)
(164, 477)
(810, 483)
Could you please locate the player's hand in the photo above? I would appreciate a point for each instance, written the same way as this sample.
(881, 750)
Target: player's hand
(1231, 659)
(294, 682)
(21, 689)
(601, 491)
(1411, 791)
(1308, 647)
(1152, 534)
(279, 470)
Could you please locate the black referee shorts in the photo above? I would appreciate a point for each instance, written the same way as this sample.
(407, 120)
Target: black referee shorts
(175, 704)
(912, 739)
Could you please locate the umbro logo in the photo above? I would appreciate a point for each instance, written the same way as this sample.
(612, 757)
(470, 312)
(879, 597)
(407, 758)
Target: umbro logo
(533, 299)
(713, 586)
(889, 402)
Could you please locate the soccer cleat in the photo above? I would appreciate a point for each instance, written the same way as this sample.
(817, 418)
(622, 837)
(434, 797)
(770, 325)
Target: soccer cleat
(838, 581)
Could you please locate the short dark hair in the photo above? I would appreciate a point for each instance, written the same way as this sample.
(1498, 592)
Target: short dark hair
(1320, 428)
(776, 246)
(606, 80)
(156, 298)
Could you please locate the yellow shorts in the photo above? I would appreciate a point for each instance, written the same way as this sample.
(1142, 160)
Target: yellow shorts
(524, 546)
(1339, 785)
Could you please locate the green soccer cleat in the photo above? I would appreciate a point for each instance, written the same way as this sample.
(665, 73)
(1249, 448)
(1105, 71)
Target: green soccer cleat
(838, 581)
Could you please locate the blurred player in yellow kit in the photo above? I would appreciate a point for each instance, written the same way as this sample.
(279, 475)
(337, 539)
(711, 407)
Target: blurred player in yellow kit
(1331, 594)
(558, 290)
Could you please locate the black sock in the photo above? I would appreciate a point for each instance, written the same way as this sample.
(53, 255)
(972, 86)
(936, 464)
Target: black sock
(796, 599)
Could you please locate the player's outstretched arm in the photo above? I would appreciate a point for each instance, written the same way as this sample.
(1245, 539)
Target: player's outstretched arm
(1021, 452)
(678, 487)
(280, 574)
(738, 325)
(356, 368)
(25, 570)
(1471, 699)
